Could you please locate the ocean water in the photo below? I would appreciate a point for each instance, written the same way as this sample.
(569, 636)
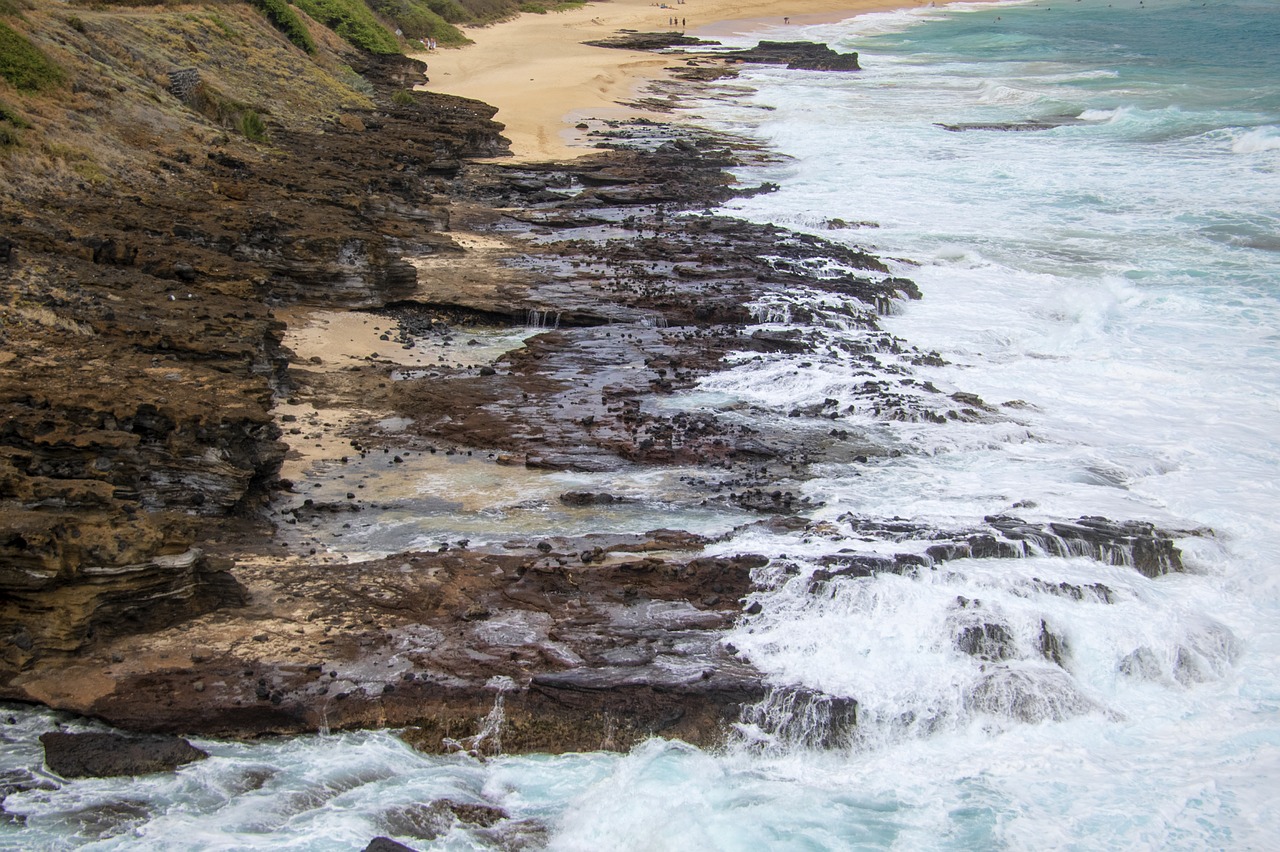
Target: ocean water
(1117, 275)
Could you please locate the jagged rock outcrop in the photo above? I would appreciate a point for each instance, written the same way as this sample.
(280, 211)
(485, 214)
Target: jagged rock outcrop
(69, 579)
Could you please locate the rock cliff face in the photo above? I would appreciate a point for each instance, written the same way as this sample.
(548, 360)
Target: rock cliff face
(139, 358)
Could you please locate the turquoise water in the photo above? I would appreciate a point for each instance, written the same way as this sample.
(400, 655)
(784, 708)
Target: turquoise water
(1119, 274)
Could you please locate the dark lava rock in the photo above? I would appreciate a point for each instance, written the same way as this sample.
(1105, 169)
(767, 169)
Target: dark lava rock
(650, 41)
(386, 844)
(1137, 544)
(590, 498)
(798, 56)
(990, 642)
(1052, 646)
(107, 755)
(426, 821)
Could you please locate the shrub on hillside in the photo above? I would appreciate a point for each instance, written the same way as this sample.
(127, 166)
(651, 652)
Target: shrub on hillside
(352, 20)
(23, 65)
(283, 18)
(228, 112)
(451, 10)
(10, 124)
(9, 116)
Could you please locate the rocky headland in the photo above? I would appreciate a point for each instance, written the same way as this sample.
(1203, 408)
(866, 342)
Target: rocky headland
(175, 474)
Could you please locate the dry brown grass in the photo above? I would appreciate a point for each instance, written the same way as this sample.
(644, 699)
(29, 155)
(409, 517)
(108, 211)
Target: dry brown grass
(114, 121)
(43, 317)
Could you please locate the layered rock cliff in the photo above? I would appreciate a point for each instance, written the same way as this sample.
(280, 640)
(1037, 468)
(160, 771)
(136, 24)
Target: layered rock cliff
(146, 239)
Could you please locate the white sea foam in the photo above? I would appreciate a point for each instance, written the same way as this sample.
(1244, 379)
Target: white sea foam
(1257, 140)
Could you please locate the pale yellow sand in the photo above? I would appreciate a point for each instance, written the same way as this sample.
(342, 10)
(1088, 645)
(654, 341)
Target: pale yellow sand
(543, 80)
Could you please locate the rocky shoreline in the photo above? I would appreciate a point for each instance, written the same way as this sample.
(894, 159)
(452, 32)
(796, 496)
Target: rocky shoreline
(160, 574)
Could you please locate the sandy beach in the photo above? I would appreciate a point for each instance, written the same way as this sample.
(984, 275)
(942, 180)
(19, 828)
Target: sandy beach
(544, 80)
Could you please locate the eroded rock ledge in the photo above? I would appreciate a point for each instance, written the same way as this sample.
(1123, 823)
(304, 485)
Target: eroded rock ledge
(586, 643)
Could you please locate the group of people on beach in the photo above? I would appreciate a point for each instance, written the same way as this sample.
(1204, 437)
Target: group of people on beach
(674, 21)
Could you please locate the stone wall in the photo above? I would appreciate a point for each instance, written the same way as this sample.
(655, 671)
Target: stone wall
(183, 81)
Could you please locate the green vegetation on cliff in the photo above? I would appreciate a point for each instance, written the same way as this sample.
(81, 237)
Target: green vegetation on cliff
(23, 64)
(542, 7)
(419, 19)
(283, 18)
(487, 11)
(354, 21)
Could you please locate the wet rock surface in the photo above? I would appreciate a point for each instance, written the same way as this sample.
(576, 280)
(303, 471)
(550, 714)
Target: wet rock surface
(579, 644)
(1143, 546)
(386, 844)
(1030, 124)
(105, 755)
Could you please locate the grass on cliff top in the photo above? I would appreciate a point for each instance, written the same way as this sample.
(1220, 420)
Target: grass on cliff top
(120, 123)
(354, 21)
(24, 66)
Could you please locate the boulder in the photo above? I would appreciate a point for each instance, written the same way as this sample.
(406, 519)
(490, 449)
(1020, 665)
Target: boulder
(106, 755)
